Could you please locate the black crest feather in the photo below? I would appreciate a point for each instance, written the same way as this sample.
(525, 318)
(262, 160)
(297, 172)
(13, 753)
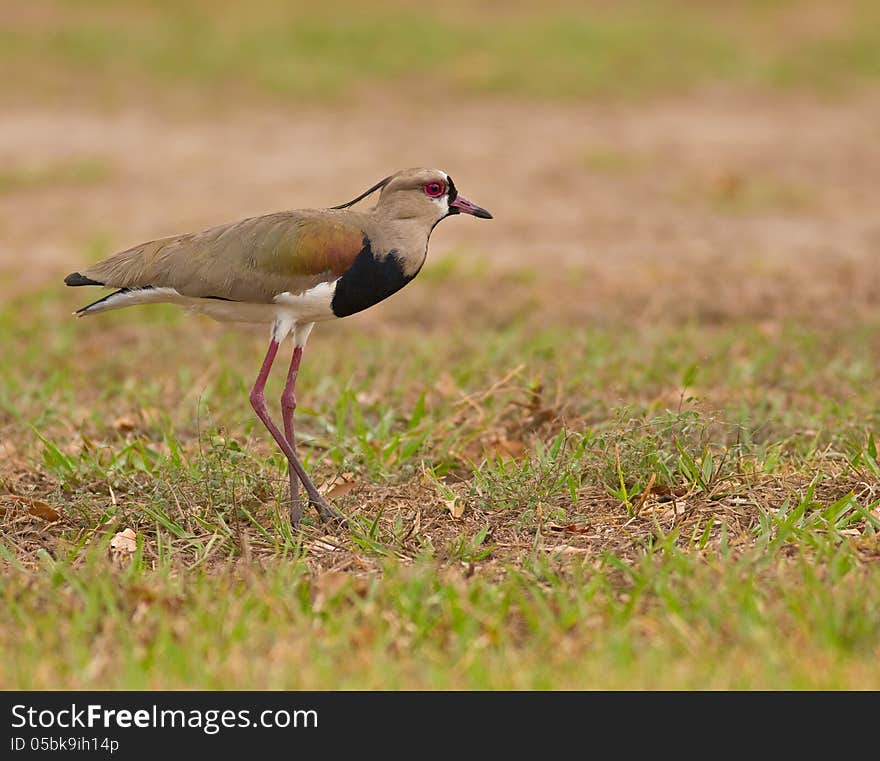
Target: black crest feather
(377, 186)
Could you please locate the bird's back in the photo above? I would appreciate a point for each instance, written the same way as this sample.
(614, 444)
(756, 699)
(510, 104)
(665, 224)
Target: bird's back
(249, 261)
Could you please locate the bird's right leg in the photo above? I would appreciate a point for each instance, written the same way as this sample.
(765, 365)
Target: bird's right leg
(258, 402)
(288, 406)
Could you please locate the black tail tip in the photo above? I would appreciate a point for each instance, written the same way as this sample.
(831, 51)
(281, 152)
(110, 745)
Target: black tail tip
(75, 278)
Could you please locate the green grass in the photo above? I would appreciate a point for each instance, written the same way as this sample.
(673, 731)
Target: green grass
(624, 504)
(566, 50)
(672, 619)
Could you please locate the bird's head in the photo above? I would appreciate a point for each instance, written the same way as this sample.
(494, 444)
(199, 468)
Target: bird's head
(421, 194)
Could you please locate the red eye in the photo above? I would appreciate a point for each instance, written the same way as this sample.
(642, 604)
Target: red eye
(434, 189)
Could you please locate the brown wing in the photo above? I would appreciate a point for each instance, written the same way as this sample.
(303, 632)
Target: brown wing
(253, 260)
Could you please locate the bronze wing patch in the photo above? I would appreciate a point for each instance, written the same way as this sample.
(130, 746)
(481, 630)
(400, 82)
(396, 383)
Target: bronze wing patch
(315, 246)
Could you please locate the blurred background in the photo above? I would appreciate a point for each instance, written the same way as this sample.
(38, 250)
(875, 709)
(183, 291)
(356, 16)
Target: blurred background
(653, 149)
(648, 164)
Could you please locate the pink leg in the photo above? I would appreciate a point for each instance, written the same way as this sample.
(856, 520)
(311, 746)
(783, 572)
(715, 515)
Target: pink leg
(258, 402)
(288, 405)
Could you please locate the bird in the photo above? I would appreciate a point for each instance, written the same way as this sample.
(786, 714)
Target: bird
(289, 270)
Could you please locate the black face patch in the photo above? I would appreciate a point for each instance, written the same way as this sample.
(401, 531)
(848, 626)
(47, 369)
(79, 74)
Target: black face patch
(368, 281)
(452, 192)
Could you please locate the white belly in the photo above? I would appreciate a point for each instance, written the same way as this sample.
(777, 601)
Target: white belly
(310, 306)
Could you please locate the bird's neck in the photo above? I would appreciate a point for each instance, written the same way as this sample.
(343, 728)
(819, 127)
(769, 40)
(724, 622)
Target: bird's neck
(408, 237)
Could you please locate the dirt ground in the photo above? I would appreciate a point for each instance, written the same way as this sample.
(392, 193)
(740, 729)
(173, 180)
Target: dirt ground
(712, 207)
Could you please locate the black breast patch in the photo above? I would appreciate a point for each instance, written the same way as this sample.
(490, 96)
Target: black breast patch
(368, 281)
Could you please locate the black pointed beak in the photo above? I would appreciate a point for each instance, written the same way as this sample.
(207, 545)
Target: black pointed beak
(461, 205)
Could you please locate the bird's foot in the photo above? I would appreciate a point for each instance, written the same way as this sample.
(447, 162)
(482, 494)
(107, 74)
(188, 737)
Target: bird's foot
(327, 513)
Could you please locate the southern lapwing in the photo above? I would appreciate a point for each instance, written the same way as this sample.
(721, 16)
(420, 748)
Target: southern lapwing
(290, 269)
